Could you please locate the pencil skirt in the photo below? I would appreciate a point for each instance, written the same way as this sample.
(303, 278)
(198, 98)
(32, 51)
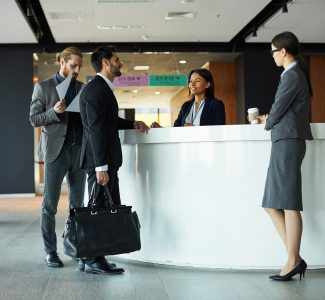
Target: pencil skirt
(283, 181)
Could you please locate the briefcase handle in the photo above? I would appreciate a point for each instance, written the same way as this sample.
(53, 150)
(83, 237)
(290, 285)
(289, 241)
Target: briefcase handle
(107, 197)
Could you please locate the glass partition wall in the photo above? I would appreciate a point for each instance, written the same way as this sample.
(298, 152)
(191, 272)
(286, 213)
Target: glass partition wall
(144, 92)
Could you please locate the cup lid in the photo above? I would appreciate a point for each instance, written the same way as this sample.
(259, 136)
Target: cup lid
(252, 110)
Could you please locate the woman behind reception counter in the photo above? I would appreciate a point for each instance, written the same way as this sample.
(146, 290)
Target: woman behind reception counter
(203, 109)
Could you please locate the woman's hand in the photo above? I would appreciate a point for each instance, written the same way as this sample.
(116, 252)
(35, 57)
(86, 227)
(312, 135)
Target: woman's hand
(262, 119)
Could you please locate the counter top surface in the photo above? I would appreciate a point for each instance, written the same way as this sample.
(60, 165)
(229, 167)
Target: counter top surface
(207, 134)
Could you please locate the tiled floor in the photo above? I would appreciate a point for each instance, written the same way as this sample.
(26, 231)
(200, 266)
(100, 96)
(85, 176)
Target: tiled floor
(24, 275)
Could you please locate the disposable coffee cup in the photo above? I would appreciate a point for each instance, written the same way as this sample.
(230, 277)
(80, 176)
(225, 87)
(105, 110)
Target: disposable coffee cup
(253, 113)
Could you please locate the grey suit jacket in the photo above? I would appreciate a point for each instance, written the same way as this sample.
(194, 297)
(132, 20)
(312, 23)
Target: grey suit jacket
(54, 126)
(289, 115)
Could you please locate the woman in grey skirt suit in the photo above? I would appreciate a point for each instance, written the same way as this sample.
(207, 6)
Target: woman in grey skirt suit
(289, 124)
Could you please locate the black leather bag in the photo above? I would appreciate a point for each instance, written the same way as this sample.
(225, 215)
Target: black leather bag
(98, 231)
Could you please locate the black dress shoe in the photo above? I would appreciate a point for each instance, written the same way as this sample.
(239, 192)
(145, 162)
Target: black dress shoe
(52, 260)
(81, 265)
(300, 269)
(102, 267)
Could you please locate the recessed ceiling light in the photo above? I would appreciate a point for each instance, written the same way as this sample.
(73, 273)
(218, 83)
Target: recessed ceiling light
(141, 68)
(119, 27)
(123, 1)
(35, 56)
(182, 61)
(180, 15)
(157, 93)
(145, 37)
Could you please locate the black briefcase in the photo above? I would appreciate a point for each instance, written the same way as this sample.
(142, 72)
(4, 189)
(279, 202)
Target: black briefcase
(98, 231)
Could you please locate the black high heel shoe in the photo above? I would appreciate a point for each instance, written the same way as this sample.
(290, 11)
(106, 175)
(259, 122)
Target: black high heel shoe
(300, 269)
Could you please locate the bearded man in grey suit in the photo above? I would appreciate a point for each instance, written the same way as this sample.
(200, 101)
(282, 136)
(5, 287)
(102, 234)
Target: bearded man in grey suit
(60, 145)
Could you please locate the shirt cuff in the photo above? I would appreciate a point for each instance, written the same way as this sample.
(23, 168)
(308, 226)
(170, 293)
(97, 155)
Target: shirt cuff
(101, 168)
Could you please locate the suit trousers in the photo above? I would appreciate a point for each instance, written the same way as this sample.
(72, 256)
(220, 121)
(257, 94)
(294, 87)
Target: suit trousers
(66, 164)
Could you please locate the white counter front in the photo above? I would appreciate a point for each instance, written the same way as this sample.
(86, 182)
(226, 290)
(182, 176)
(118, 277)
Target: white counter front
(198, 194)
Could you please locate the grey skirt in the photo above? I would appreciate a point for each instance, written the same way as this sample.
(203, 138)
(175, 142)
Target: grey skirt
(283, 181)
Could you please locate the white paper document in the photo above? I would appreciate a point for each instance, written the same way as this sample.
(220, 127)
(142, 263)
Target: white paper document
(62, 88)
(74, 105)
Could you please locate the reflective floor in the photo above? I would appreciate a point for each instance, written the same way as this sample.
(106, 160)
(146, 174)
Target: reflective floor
(24, 275)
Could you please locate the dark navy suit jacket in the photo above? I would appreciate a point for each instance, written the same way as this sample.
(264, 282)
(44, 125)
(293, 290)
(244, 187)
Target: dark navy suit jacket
(213, 113)
(99, 113)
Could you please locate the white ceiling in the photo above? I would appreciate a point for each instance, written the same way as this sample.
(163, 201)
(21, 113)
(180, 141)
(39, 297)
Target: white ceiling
(13, 26)
(73, 21)
(306, 18)
(214, 20)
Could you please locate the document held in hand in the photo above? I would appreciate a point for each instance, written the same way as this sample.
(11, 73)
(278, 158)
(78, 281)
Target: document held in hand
(62, 88)
(74, 105)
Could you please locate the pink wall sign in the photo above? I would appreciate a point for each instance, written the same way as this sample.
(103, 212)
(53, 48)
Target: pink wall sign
(131, 80)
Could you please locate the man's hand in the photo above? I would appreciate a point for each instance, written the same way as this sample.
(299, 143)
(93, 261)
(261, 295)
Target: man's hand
(141, 126)
(102, 177)
(155, 125)
(60, 106)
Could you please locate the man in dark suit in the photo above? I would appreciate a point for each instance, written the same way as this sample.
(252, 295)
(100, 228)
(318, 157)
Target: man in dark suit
(101, 153)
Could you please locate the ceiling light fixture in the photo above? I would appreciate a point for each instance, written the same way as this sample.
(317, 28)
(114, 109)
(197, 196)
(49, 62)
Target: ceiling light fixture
(180, 15)
(157, 93)
(276, 15)
(141, 68)
(29, 11)
(35, 57)
(119, 27)
(182, 61)
(145, 37)
(284, 7)
(123, 1)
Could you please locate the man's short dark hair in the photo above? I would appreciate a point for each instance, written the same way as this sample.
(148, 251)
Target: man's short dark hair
(99, 54)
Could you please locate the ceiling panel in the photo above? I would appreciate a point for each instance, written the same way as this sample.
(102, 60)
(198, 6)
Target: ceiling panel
(73, 21)
(13, 26)
(214, 20)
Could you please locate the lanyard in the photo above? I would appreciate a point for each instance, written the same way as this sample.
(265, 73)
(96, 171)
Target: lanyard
(194, 114)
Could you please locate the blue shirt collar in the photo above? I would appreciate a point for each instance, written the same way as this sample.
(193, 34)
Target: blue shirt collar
(289, 66)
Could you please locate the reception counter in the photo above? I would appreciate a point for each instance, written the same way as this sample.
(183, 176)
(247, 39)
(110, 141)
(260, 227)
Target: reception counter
(198, 193)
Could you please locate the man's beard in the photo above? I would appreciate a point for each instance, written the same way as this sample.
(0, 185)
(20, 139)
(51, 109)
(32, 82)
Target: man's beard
(116, 71)
(74, 75)
(66, 73)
